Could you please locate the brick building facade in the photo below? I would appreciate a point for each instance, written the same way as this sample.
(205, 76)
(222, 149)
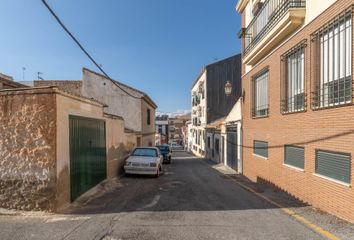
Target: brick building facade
(300, 137)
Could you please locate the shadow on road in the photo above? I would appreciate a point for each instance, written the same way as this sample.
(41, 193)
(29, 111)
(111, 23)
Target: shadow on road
(188, 184)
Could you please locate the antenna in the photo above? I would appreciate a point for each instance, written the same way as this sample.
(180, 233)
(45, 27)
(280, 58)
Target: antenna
(23, 73)
(39, 75)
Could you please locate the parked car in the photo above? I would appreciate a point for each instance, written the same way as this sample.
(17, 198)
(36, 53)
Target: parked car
(175, 146)
(166, 152)
(144, 160)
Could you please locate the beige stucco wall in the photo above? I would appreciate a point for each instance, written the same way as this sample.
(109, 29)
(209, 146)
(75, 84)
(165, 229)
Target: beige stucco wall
(35, 150)
(69, 105)
(119, 103)
(148, 131)
(27, 149)
(119, 145)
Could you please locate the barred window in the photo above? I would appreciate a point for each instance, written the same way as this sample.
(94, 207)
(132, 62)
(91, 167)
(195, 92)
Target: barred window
(260, 94)
(293, 90)
(333, 63)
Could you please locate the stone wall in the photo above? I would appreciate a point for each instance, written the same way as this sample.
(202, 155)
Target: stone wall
(27, 149)
(64, 85)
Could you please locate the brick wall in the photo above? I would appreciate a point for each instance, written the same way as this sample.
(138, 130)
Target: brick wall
(328, 129)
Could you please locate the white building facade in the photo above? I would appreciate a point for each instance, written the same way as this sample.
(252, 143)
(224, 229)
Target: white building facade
(199, 115)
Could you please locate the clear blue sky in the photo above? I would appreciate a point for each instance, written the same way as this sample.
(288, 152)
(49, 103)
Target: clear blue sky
(158, 46)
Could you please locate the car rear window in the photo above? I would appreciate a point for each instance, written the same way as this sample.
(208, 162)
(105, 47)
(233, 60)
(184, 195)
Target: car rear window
(164, 148)
(145, 152)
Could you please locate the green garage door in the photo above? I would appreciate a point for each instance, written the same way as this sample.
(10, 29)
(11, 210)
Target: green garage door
(87, 154)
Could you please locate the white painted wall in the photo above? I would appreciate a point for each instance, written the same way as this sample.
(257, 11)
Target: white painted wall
(203, 118)
(203, 102)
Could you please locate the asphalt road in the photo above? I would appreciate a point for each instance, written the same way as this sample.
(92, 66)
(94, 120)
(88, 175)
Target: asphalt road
(190, 201)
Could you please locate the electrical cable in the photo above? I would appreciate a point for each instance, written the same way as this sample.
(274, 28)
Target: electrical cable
(82, 48)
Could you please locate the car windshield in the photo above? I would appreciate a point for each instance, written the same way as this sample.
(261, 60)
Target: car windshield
(164, 148)
(145, 152)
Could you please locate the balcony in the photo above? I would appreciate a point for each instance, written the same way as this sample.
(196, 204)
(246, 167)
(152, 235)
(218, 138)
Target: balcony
(275, 21)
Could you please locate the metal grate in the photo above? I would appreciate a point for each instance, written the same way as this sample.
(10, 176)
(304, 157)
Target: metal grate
(260, 111)
(293, 80)
(260, 106)
(332, 75)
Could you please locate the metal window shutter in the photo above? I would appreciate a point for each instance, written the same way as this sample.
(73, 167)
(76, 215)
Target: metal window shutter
(333, 165)
(295, 156)
(260, 148)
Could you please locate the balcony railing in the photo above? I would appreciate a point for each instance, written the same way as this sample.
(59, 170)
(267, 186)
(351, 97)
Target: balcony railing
(270, 14)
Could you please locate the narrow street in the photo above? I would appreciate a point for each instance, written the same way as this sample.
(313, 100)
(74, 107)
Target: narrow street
(190, 201)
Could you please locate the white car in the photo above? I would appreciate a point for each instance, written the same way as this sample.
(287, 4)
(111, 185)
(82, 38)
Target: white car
(175, 146)
(144, 160)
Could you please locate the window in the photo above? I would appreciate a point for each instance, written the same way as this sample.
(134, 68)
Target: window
(333, 165)
(145, 152)
(333, 63)
(293, 89)
(260, 148)
(217, 146)
(260, 94)
(148, 117)
(208, 142)
(294, 156)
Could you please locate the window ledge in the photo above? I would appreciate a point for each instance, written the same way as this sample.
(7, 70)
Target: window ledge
(293, 168)
(332, 180)
(293, 112)
(264, 158)
(332, 106)
(260, 117)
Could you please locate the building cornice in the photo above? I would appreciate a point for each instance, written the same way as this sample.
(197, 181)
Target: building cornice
(241, 5)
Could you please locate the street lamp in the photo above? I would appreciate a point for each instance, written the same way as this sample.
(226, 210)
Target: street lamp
(228, 88)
